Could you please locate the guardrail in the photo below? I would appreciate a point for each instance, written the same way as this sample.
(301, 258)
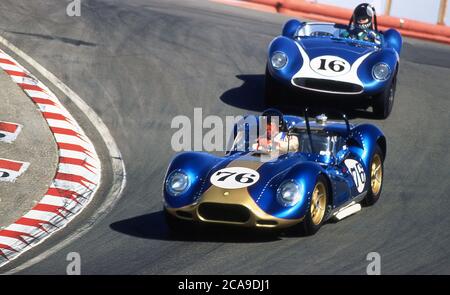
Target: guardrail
(324, 12)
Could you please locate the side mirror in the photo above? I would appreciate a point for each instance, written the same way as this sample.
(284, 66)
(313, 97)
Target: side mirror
(342, 155)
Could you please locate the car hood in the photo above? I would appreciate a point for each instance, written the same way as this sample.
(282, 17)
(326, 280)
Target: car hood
(347, 50)
(267, 170)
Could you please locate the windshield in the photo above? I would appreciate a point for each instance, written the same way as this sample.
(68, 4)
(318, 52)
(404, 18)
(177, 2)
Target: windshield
(329, 30)
(319, 30)
(323, 143)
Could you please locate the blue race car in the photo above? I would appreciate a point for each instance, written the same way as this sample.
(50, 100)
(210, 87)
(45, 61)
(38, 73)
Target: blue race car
(327, 171)
(315, 57)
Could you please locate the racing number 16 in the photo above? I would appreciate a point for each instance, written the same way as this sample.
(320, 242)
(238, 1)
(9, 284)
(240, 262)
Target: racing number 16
(334, 65)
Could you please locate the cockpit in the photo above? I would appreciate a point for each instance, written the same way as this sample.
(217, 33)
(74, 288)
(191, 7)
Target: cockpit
(336, 32)
(322, 143)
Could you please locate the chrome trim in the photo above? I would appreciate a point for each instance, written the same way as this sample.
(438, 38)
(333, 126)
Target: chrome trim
(388, 76)
(327, 91)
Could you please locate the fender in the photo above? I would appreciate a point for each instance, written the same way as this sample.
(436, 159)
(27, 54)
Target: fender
(291, 27)
(367, 136)
(305, 174)
(193, 164)
(295, 60)
(372, 86)
(393, 39)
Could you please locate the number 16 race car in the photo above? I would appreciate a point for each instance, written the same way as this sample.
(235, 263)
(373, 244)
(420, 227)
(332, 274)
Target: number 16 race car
(326, 171)
(313, 58)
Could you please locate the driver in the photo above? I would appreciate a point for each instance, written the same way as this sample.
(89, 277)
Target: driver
(275, 138)
(361, 25)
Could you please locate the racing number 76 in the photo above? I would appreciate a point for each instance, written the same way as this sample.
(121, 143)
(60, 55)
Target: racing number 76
(358, 174)
(240, 177)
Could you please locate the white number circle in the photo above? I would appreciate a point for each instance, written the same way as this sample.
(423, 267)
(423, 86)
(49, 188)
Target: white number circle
(330, 66)
(357, 172)
(234, 177)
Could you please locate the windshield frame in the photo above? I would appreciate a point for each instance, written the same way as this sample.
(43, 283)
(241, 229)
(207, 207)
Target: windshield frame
(336, 34)
(332, 145)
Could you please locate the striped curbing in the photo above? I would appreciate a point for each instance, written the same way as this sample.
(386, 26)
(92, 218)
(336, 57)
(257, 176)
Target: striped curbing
(77, 175)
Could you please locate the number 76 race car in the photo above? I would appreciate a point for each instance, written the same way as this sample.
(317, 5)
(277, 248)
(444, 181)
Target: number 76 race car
(314, 58)
(327, 170)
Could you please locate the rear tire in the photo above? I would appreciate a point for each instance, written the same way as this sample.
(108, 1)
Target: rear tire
(375, 177)
(384, 101)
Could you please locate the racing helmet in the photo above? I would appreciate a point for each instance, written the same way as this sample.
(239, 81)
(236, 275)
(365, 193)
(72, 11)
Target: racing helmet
(271, 114)
(363, 16)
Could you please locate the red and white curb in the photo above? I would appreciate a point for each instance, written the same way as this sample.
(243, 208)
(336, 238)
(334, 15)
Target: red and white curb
(77, 175)
(10, 170)
(9, 131)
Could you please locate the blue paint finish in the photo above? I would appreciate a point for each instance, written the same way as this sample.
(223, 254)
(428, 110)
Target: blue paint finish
(367, 136)
(294, 63)
(393, 40)
(303, 168)
(350, 50)
(371, 85)
(196, 165)
(326, 46)
(291, 27)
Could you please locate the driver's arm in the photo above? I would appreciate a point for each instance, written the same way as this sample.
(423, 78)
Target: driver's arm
(374, 37)
(289, 142)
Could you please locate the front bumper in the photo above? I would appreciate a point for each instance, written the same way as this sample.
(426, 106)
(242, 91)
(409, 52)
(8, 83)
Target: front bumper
(328, 86)
(233, 207)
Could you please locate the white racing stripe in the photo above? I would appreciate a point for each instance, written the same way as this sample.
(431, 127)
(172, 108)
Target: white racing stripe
(307, 72)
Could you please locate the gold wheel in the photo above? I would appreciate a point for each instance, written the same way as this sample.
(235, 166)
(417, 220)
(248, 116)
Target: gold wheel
(318, 203)
(376, 174)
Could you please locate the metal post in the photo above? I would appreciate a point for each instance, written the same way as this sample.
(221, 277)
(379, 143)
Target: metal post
(442, 11)
(387, 10)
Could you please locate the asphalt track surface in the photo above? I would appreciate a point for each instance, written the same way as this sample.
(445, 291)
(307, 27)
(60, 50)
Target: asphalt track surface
(139, 63)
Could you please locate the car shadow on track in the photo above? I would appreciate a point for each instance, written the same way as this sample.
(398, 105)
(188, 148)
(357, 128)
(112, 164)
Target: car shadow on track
(153, 226)
(250, 96)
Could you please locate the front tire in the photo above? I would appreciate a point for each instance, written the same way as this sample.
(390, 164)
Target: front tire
(375, 177)
(384, 101)
(316, 214)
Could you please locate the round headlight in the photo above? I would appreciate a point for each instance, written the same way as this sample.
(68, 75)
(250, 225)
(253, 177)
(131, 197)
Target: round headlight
(381, 71)
(279, 60)
(288, 193)
(177, 183)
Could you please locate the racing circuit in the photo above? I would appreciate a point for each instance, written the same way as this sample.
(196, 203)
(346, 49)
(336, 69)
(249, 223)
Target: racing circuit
(139, 63)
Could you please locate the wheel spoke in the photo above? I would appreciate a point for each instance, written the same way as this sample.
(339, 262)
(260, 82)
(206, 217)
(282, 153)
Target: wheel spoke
(377, 168)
